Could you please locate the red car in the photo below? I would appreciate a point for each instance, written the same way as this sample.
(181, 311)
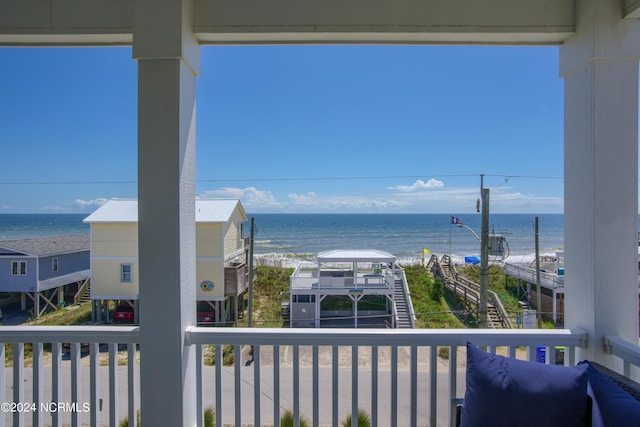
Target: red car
(123, 314)
(206, 315)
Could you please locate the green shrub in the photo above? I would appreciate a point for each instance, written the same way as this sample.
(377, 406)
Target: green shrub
(436, 290)
(364, 420)
(125, 421)
(286, 420)
(209, 417)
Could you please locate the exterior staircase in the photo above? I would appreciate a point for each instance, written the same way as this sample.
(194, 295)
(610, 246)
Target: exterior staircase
(402, 310)
(84, 294)
(494, 318)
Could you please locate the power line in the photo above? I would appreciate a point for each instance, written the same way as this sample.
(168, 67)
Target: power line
(326, 178)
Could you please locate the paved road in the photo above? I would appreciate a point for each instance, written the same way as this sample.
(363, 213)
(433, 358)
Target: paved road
(266, 404)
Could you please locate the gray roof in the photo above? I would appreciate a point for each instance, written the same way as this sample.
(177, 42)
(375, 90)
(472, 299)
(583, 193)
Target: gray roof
(46, 246)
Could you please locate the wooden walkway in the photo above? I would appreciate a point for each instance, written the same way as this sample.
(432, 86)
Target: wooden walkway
(469, 292)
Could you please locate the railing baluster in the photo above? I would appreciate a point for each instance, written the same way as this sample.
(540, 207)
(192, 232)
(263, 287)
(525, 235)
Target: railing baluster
(354, 385)
(296, 385)
(218, 358)
(3, 380)
(570, 358)
(549, 355)
(56, 385)
(37, 383)
(113, 386)
(335, 362)
(199, 406)
(414, 386)
(531, 353)
(394, 385)
(94, 381)
(133, 382)
(276, 386)
(433, 387)
(18, 381)
(316, 386)
(374, 386)
(453, 381)
(75, 381)
(237, 359)
(256, 384)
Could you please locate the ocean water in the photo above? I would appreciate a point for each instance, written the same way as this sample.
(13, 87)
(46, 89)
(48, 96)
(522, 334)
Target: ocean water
(403, 235)
(302, 236)
(29, 226)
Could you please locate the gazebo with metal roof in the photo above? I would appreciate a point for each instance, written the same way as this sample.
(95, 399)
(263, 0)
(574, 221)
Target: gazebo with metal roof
(354, 274)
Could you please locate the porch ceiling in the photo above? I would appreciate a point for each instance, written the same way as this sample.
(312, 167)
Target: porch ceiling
(111, 22)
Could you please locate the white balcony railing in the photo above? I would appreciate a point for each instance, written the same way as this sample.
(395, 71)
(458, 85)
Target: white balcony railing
(397, 376)
(67, 390)
(305, 278)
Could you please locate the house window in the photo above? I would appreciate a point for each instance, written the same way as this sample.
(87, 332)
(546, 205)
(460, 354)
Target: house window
(54, 264)
(18, 268)
(126, 273)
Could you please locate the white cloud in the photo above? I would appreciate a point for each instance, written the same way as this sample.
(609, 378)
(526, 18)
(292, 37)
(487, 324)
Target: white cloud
(418, 185)
(426, 197)
(308, 199)
(85, 204)
(250, 196)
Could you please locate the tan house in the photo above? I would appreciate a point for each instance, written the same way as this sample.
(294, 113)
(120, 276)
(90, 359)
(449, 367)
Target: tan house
(221, 255)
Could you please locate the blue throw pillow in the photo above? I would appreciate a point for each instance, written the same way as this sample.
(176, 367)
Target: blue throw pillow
(617, 407)
(506, 392)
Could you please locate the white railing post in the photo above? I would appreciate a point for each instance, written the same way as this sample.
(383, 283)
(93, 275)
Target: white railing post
(113, 385)
(94, 383)
(56, 386)
(37, 383)
(75, 381)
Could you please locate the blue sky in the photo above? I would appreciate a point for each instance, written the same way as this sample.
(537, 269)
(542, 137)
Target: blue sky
(397, 129)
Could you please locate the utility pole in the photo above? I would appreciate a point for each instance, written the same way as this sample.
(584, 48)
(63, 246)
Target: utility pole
(250, 291)
(538, 293)
(484, 255)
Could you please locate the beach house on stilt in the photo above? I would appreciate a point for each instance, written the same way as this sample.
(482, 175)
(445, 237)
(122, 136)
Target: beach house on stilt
(221, 254)
(350, 288)
(43, 271)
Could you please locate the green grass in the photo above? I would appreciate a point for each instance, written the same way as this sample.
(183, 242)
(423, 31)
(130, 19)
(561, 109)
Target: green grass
(430, 313)
(270, 281)
(71, 315)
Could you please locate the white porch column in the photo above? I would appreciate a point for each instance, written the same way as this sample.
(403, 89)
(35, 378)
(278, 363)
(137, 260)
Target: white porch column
(600, 69)
(168, 62)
